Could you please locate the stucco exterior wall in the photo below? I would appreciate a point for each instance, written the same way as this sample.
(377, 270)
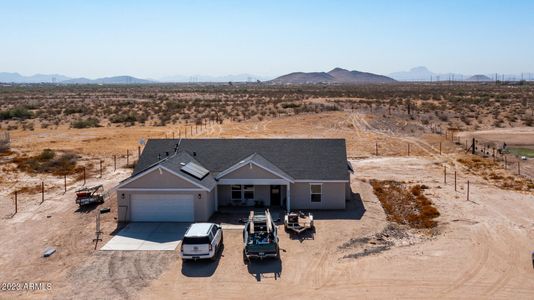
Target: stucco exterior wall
(333, 196)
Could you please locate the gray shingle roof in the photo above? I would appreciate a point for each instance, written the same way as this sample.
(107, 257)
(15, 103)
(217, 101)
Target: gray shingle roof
(313, 159)
(174, 162)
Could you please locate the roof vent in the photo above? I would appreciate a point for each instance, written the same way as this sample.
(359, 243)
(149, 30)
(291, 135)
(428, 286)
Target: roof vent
(182, 163)
(167, 153)
(194, 153)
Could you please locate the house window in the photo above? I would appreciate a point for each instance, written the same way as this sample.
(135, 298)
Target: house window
(248, 191)
(236, 192)
(316, 191)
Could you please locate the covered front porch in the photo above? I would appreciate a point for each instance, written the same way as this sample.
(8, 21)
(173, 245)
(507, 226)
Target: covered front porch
(247, 194)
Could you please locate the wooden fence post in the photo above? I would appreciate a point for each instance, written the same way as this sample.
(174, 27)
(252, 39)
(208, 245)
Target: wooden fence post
(518, 169)
(455, 180)
(139, 149)
(100, 161)
(408, 149)
(42, 192)
(84, 176)
(468, 190)
(65, 182)
(439, 148)
(127, 157)
(16, 203)
(445, 174)
(376, 148)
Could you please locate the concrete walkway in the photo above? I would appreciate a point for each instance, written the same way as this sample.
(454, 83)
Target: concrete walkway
(148, 236)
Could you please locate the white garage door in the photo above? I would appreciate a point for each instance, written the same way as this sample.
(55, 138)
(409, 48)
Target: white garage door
(162, 208)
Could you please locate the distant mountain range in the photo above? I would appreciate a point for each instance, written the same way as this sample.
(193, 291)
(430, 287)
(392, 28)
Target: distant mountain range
(479, 77)
(62, 79)
(424, 74)
(57, 78)
(108, 80)
(37, 78)
(225, 78)
(337, 75)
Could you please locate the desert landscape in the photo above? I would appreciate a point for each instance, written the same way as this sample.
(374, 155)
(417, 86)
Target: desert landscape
(431, 217)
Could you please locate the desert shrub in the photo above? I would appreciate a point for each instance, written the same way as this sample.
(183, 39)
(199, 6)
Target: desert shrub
(16, 113)
(290, 105)
(123, 118)
(73, 110)
(46, 154)
(85, 123)
(48, 162)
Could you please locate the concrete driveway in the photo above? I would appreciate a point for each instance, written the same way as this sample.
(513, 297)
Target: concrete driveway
(148, 236)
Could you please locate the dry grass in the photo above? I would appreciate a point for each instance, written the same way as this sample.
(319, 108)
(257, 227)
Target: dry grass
(403, 205)
(34, 189)
(496, 174)
(48, 161)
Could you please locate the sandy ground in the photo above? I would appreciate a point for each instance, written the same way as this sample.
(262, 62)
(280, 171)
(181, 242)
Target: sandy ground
(518, 137)
(482, 248)
(482, 251)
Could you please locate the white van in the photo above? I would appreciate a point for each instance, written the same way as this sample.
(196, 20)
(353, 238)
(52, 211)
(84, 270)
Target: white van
(202, 241)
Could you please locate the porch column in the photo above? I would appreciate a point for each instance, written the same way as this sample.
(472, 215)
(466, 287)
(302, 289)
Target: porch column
(288, 194)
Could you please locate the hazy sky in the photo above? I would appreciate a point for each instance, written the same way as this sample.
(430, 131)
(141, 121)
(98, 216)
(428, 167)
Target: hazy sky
(152, 39)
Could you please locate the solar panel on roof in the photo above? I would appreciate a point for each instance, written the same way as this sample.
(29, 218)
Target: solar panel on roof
(195, 170)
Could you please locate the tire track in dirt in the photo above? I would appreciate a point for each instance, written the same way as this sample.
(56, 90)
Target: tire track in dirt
(115, 263)
(482, 255)
(511, 254)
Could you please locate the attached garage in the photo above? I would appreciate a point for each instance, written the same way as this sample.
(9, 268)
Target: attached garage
(162, 208)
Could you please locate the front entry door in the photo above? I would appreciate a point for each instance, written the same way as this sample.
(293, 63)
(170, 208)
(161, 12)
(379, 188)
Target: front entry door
(276, 192)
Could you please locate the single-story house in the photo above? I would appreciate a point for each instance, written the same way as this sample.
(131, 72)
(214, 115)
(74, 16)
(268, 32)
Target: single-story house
(188, 180)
